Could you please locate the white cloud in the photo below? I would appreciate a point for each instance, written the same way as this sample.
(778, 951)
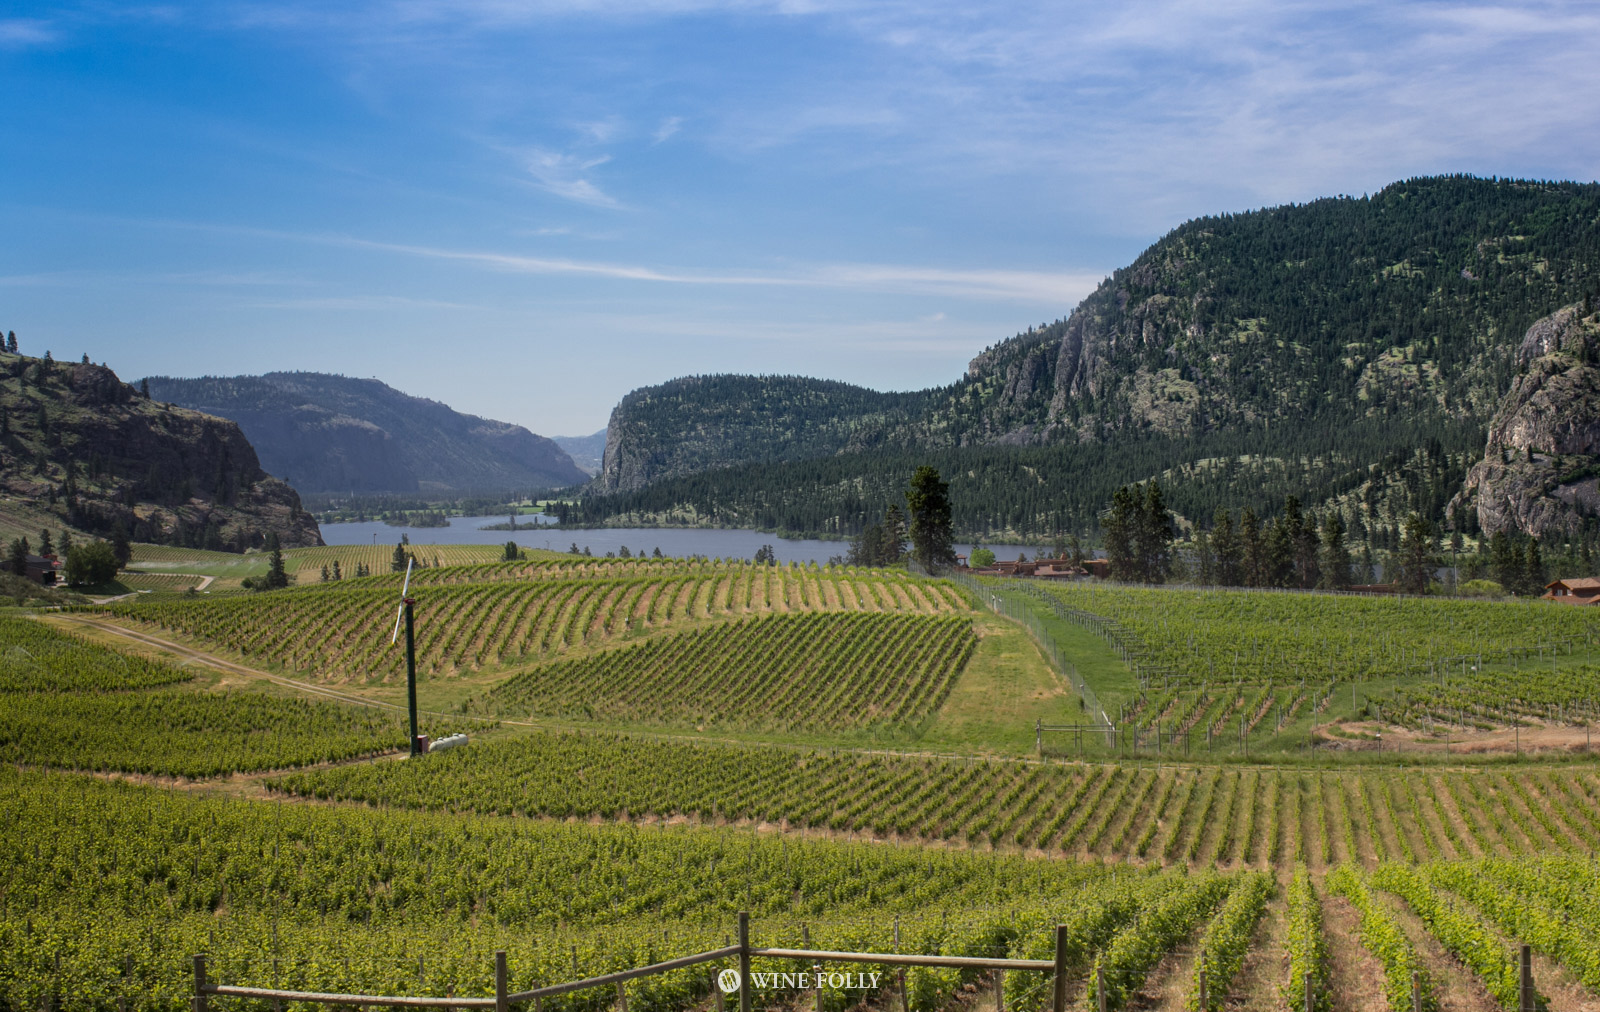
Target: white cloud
(1044, 287)
(563, 174)
(668, 127)
(19, 33)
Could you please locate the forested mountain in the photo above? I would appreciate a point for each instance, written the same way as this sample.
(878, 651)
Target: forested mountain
(82, 446)
(340, 434)
(1349, 346)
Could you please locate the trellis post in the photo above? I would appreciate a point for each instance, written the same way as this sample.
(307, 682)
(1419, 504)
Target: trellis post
(200, 1004)
(744, 961)
(1525, 992)
(500, 1003)
(1058, 978)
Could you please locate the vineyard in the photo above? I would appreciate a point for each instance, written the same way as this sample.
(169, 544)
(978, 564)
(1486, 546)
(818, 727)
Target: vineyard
(69, 703)
(1198, 816)
(1485, 700)
(115, 884)
(820, 670)
(37, 658)
(342, 633)
(1222, 637)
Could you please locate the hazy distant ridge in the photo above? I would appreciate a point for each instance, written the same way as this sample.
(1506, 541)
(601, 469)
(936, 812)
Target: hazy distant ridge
(331, 433)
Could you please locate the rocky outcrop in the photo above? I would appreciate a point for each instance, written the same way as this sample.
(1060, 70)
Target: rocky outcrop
(83, 445)
(1540, 469)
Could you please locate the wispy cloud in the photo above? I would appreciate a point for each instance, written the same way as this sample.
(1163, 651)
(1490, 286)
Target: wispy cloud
(1035, 286)
(668, 127)
(565, 175)
(20, 33)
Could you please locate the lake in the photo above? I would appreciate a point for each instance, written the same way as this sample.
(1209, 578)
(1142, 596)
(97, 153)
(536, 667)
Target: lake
(674, 541)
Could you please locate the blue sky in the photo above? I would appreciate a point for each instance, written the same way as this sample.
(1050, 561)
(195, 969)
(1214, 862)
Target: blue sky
(526, 209)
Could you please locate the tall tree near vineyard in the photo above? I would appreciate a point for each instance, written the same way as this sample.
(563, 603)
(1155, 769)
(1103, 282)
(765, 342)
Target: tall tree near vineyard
(894, 536)
(1119, 525)
(1533, 570)
(1505, 561)
(928, 501)
(277, 577)
(1335, 556)
(397, 561)
(1225, 545)
(1303, 538)
(1152, 539)
(1279, 562)
(1252, 550)
(1416, 554)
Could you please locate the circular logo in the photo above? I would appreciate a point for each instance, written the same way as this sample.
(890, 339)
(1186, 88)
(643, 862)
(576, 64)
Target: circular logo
(728, 980)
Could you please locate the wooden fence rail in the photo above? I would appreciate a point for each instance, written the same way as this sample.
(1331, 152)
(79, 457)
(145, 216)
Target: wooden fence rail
(503, 999)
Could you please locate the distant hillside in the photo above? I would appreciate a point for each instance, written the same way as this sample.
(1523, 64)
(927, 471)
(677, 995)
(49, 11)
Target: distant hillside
(340, 434)
(1320, 347)
(80, 446)
(585, 451)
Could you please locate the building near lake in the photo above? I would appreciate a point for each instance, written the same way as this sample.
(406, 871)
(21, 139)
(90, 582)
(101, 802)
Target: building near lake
(1580, 590)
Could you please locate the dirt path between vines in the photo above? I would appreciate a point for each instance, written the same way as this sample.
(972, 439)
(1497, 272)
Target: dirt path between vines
(1354, 974)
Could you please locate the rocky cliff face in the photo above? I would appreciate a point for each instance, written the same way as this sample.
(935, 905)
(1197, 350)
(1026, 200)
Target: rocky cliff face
(1541, 467)
(79, 442)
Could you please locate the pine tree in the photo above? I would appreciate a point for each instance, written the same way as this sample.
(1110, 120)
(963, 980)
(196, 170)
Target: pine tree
(1416, 554)
(1252, 550)
(325, 575)
(1205, 559)
(336, 574)
(892, 545)
(1225, 545)
(276, 576)
(64, 543)
(1505, 562)
(1153, 535)
(1533, 570)
(397, 561)
(928, 501)
(44, 542)
(11, 342)
(144, 388)
(1279, 562)
(1119, 529)
(1335, 561)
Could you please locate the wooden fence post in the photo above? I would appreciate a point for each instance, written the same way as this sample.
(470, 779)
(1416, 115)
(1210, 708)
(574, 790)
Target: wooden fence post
(1204, 1005)
(200, 1003)
(744, 961)
(1416, 991)
(1525, 992)
(816, 974)
(1102, 1002)
(500, 1003)
(1310, 998)
(999, 991)
(1059, 978)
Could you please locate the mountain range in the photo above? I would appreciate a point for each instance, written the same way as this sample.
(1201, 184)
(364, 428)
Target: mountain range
(1346, 347)
(332, 434)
